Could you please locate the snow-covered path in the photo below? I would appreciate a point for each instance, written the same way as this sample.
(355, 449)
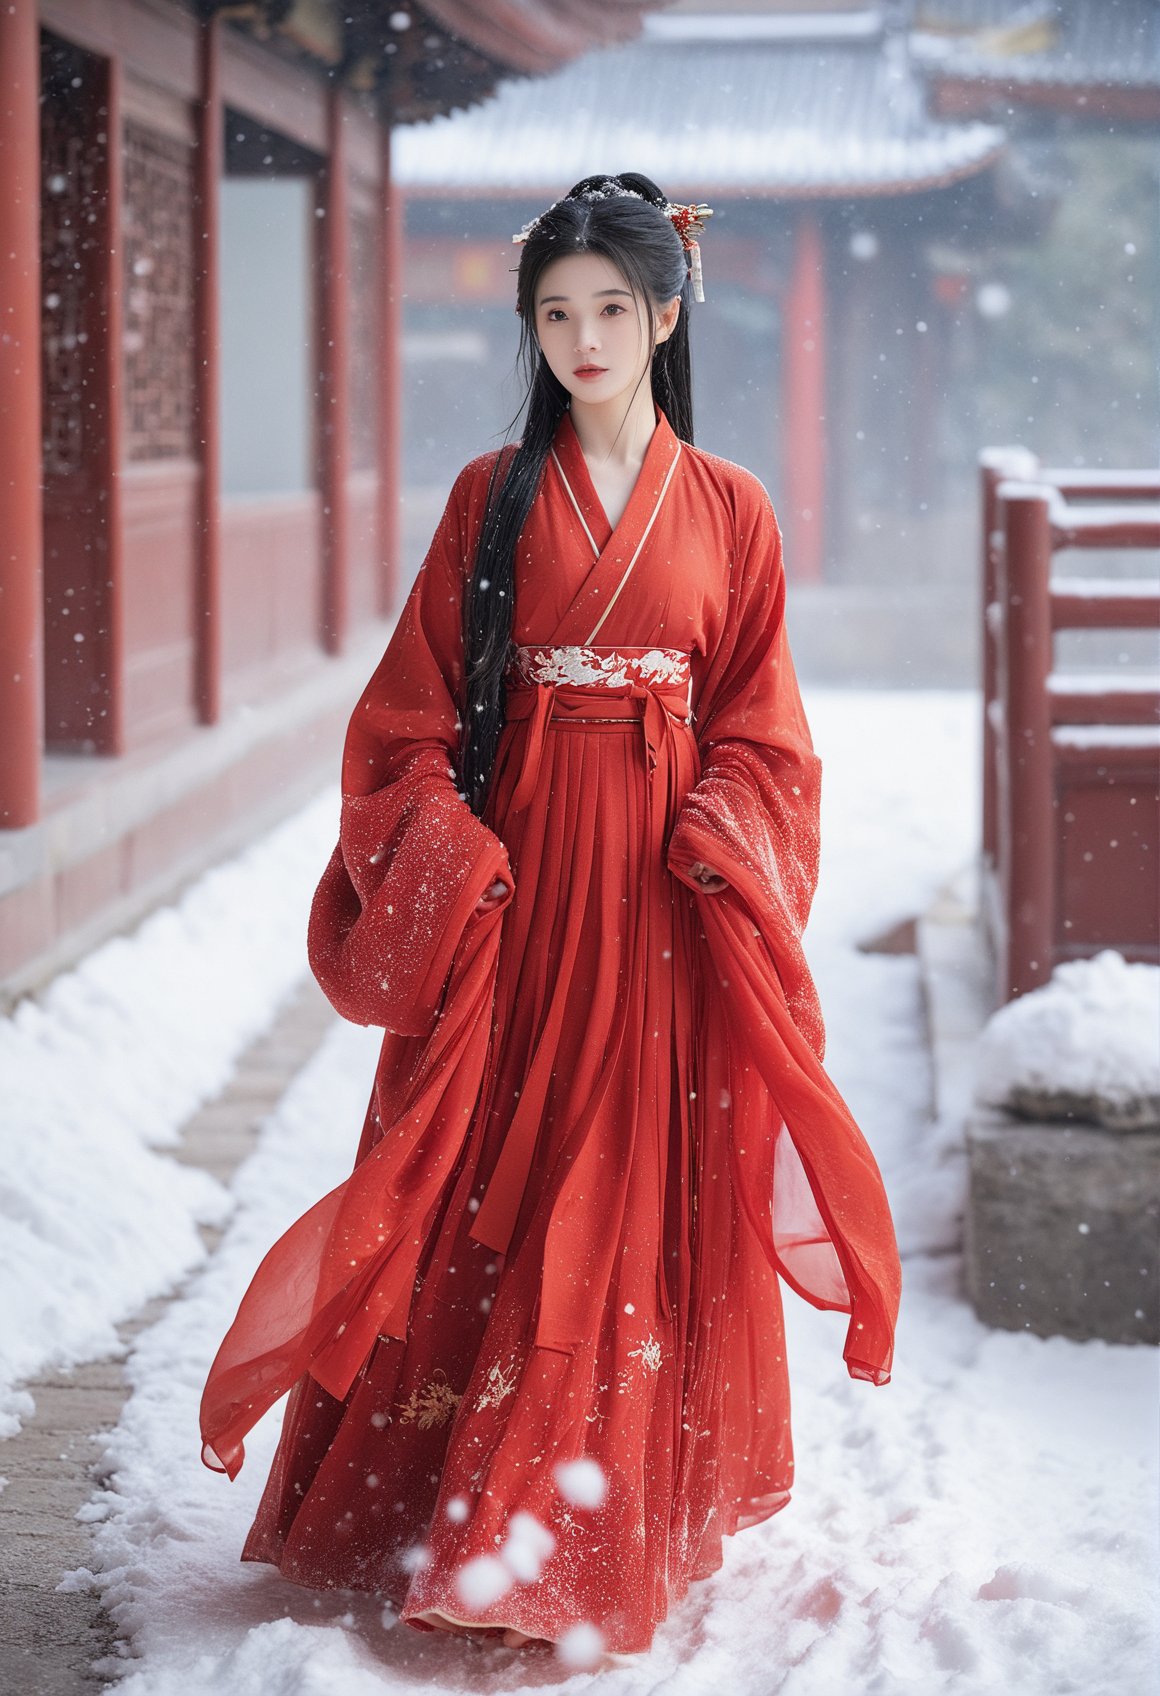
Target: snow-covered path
(983, 1524)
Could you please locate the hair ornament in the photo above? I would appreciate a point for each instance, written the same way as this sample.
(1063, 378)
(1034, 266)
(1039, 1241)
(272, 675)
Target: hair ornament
(688, 221)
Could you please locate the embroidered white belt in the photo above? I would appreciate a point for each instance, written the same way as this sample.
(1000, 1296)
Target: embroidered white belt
(602, 668)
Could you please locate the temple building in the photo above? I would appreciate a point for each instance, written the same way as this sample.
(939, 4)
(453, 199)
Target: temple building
(256, 278)
(869, 167)
(200, 258)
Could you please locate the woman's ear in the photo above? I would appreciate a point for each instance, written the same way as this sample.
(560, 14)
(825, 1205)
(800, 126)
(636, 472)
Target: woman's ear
(667, 319)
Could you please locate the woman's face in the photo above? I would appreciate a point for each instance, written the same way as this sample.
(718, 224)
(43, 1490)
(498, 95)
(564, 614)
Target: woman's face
(592, 330)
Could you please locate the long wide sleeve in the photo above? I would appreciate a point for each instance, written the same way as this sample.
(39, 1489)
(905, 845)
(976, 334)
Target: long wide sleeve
(412, 858)
(808, 1181)
(394, 940)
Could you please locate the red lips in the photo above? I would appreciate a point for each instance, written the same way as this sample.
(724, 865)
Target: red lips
(589, 371)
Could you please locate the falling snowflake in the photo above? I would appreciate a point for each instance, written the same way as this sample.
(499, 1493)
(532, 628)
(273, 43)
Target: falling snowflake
(581, 1647)
(582, 1481)
(432, 1405)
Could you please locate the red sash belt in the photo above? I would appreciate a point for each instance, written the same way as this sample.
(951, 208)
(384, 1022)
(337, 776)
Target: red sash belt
(660, 708)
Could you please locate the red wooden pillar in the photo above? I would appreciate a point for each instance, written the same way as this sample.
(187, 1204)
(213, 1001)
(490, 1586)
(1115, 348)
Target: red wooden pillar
(114, 458)
(803, 409)
(390, 364)
(1029, 884)
(335, 395)
(207, 332)
(922, 408)
(21, 593)
(995, 466)
(989, 636)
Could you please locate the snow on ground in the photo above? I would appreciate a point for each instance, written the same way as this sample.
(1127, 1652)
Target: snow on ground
(984, 1524)
(102, 1070)
(901, 778)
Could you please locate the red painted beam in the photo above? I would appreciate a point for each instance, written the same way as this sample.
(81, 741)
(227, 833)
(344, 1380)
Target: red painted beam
(210, 164)
(390, 364)
(1103, 483)
(1130, 525)
(1091, 103)
(21, 527)
(1102, 604)
(804, 402)
(1100, 701)
(335, 387)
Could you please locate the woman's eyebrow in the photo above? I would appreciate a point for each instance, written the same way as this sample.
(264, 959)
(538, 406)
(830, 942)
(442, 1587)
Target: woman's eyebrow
(550, 298)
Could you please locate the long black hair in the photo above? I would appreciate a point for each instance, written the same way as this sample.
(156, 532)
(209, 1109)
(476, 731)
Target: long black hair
(622, 219)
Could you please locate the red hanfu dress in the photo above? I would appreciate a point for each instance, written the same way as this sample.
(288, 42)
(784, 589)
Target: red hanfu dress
(600, 1130)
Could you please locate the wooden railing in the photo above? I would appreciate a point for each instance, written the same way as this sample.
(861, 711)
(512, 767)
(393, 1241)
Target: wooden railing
(1071, 763)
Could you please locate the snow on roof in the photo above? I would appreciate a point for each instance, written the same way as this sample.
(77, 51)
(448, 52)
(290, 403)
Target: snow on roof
(763, 26)
(706, 110)
(1084, 43)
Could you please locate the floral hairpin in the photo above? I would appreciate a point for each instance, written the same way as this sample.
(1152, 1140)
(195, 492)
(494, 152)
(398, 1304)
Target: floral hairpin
(688, 221)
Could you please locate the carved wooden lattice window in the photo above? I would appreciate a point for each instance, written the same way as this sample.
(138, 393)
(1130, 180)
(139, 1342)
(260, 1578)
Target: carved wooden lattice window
(72, 166)
(158, 372)
(364, 358)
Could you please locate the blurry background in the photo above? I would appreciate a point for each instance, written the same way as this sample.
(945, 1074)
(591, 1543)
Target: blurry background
(259, 284)
(935, 226)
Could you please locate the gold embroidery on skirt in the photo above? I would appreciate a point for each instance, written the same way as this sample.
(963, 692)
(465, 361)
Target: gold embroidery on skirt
(432, 1405)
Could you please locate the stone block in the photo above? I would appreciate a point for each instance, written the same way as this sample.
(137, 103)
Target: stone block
(1062, 1228)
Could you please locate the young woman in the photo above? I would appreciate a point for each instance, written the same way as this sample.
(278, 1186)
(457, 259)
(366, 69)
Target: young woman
(534, 1342)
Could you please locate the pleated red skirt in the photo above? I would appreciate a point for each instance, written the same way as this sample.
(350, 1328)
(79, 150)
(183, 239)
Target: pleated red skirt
(623, 1217)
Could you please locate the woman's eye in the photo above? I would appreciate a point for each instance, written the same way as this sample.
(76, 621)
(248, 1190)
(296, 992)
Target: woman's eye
(557, 315)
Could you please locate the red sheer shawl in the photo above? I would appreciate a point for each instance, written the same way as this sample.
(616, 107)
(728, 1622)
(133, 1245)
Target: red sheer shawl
(807, 1178)
(394, 941)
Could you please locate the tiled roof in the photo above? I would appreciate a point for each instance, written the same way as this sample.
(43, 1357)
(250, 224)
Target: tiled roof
(1101, 43)
(537, 35)
(421, 57)
(753, 104)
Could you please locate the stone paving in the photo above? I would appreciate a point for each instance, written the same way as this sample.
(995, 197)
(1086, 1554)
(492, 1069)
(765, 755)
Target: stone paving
(49, 1639)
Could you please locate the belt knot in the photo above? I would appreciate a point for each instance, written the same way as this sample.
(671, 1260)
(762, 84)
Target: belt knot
(603, 683)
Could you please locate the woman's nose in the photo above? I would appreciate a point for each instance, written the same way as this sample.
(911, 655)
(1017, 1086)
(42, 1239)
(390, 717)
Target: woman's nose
(587, 337)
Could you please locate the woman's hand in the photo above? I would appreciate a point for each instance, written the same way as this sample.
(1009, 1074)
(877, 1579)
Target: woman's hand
(492, 896)
(711, 882)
